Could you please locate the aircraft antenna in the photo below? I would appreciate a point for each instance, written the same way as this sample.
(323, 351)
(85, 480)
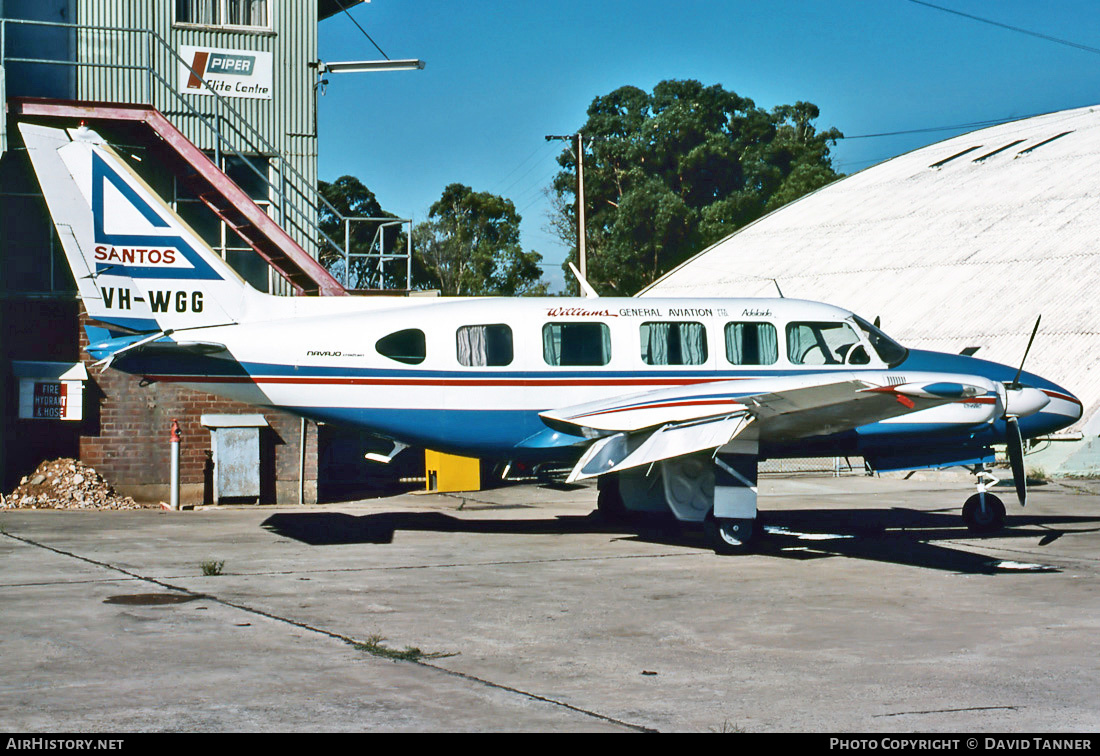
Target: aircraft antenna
(1035, 330)
(586, 288)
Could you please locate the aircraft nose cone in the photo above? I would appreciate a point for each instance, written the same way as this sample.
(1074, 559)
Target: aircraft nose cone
(1060, 408)
(1077, 404)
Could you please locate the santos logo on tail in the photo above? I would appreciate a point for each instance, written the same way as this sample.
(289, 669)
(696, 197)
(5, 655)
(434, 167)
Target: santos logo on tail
(143, 244)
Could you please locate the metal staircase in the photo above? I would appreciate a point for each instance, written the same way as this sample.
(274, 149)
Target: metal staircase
(281, 238)
(217, 191)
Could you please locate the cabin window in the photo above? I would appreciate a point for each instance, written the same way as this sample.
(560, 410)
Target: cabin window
(674, 343)
(888, 350)
(752, 344)
(576, 344)
(406, 346)
(485, 345)
(824, 344)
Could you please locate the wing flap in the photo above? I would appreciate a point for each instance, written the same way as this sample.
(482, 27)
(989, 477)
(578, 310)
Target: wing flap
(623, 451)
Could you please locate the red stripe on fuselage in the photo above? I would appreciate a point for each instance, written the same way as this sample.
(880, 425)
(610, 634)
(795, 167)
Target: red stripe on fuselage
(435, 381)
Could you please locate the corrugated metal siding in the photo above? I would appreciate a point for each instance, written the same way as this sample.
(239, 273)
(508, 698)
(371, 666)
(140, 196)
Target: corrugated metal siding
(967, 254)
(286, 122)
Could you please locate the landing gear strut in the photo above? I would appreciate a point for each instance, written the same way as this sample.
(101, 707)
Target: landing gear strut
(610, 503)
(983, 512)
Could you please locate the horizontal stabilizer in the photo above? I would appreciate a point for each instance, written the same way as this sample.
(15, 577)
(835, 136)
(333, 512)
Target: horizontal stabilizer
(109, 349)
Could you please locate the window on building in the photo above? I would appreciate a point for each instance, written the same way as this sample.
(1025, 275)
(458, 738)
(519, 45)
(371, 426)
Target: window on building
(408, 346)
(485, 345)
(250, 174)
(752, 344)
(824, 344)
(674, 343)
(247, 13)
(576, 344)
(32, 259)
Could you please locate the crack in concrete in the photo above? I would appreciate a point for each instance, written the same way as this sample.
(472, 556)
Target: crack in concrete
(947, 711)
(456, 565)
(354, 642)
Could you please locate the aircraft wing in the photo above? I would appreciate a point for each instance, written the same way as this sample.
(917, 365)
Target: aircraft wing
(644, 428)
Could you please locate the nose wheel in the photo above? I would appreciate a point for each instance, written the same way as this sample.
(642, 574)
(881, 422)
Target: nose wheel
(983, 512)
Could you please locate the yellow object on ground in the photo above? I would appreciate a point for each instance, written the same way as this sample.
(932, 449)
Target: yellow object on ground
(449, 472)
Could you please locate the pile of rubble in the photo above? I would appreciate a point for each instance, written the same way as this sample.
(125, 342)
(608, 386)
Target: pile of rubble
(65, 484)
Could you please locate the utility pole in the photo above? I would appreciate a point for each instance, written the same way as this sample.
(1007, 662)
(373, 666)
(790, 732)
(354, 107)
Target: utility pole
(582, 254)
(578, 151)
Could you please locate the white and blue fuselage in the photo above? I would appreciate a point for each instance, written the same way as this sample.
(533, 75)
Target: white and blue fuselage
(399, 368)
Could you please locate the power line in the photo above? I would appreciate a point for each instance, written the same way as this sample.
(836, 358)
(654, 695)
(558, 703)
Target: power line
(534, 166)
(956, 127)
(538, 198)
(348, 14)
(991, 22)
(519, 165)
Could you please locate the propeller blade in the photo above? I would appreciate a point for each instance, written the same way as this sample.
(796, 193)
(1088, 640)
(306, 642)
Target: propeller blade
(1015, 445)
(1035, 330)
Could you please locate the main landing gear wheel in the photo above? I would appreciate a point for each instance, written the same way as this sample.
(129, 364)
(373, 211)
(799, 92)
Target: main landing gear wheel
(728, 536)
(987, 519)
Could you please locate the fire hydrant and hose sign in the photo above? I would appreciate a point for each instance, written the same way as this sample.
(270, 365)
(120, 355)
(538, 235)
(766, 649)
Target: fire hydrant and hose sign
(50, 390)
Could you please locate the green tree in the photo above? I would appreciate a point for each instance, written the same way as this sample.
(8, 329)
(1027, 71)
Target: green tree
(352, 199)
(670, 172)
(470, 246)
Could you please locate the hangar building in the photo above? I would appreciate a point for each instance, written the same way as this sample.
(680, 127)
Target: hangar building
(214, 104)
(961, 244)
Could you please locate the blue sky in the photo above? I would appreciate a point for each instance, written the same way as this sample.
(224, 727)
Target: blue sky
(501, 75)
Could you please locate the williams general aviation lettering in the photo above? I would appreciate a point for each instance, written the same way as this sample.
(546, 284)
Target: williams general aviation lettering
(653, 312)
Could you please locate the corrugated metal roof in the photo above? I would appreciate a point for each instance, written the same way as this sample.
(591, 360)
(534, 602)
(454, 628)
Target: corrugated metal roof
(968, 253)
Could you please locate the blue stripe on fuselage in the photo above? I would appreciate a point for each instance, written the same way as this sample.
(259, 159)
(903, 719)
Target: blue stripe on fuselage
(504, 431)
(484, 433)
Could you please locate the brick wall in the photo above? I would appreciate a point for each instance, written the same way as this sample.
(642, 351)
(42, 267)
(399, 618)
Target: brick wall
(126, 437)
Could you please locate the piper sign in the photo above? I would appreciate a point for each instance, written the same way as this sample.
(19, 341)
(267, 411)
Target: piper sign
(229, 73)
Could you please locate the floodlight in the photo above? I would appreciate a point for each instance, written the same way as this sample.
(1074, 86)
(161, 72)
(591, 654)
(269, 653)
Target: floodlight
(360, 66)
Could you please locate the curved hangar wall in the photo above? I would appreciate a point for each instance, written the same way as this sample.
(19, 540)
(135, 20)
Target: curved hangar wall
(959, 244)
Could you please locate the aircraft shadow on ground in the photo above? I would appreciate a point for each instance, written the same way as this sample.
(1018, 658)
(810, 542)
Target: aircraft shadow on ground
(896, 536)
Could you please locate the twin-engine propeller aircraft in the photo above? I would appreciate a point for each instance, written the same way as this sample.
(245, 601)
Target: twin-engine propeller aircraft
(670, 403)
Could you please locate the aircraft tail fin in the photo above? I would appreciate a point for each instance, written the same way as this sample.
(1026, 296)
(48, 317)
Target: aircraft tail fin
(138, 266)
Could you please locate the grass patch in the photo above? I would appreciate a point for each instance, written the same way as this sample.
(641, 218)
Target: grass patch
(373, 646)
(211, 567)
(1037, 475)
(728, 726)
